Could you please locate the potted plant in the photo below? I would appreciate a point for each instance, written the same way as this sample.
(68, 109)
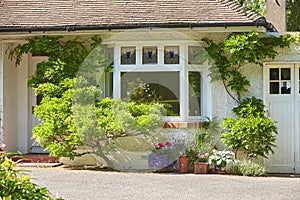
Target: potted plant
(219, 160)
(202, 150)
(201, 165)
(164, 157)
(184, 162)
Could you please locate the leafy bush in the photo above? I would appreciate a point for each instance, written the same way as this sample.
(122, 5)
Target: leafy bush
(253, 135)
(252, 131)
(250, 107)
(248, 168)
(71, 110)
(100, 124)
(15, 185)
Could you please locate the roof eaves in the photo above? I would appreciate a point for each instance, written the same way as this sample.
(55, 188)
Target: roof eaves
(259, 22)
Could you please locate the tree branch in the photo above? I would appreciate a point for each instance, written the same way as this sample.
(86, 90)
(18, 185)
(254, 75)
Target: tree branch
(229, 92)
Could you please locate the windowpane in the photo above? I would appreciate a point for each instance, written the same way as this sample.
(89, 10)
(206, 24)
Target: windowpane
(274, 88)
(194, 94)
(128, 56)
(171, 55)
(285, 74)
(149, 55)
(285, 87)
(108, 84)
(196, 55)
(274, 74)
(109, 53)
(145, 87)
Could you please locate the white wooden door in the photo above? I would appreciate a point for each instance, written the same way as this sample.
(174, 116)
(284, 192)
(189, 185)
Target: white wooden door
(282, 101)
(33, 102)
(297, 118)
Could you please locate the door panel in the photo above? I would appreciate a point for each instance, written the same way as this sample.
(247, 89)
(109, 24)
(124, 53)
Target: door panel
(297, 118)
(283, 158)
(280, 101)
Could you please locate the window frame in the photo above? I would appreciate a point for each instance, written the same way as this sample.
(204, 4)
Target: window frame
(183, 68)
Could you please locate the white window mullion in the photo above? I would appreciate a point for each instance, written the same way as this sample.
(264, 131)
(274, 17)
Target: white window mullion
(116, 73)
(183, 82)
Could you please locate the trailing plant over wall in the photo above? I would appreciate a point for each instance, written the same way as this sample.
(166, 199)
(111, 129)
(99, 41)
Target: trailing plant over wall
(238, 50)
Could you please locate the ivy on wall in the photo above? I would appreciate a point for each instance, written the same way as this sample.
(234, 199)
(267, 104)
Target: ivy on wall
(238, 50)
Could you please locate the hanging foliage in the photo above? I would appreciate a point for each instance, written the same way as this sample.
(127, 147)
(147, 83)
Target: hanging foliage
(238, 50)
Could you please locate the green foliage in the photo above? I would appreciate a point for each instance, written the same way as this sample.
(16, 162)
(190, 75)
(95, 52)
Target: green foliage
(250, 107)
(15, 184)
(248, 168)
(293, 15)
(100, 124)
(258, 6)
(253, 135)
(58, 132)
(204, 142)
(71, 112)
(252, 131)
(238, 50)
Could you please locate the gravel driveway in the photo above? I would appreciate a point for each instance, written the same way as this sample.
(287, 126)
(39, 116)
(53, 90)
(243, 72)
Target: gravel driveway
(90, 185)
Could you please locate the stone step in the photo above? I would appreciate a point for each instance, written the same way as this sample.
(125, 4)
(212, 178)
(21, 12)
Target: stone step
(35, 158)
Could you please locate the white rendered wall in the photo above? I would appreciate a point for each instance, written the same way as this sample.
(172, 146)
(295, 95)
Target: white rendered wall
(1, 93)
(15, 101)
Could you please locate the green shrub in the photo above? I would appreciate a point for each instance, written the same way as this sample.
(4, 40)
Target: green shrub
(250, 107)
(71, 110)
(253, 135)
(252, 132)
(248, 168)
(15, 185)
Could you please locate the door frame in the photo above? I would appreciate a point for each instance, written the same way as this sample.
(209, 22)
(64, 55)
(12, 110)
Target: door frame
(32, 67)
(295, 67)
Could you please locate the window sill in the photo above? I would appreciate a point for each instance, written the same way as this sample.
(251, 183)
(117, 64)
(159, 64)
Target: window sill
(184, 124)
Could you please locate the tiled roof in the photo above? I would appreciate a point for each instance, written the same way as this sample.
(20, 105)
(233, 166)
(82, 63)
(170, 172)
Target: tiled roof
(58, 13)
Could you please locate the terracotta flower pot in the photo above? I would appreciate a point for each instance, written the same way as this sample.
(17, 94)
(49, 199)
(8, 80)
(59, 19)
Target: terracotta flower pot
(201, 168)
(184, 164)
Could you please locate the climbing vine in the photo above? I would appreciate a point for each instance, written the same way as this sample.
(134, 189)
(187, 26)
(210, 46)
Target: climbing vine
(238, 50)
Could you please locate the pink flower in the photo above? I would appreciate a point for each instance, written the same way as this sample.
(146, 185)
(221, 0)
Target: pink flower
(168, 143)
(160, 145)
(3, 146)
(201, 156)
(206, 154)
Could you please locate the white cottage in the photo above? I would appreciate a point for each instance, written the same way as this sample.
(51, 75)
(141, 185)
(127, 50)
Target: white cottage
(169, 30)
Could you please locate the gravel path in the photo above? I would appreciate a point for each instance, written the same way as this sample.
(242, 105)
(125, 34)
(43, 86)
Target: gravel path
(90, 185)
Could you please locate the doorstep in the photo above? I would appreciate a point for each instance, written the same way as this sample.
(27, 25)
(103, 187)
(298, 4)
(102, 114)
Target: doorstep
(39, 165)
(36, 160)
